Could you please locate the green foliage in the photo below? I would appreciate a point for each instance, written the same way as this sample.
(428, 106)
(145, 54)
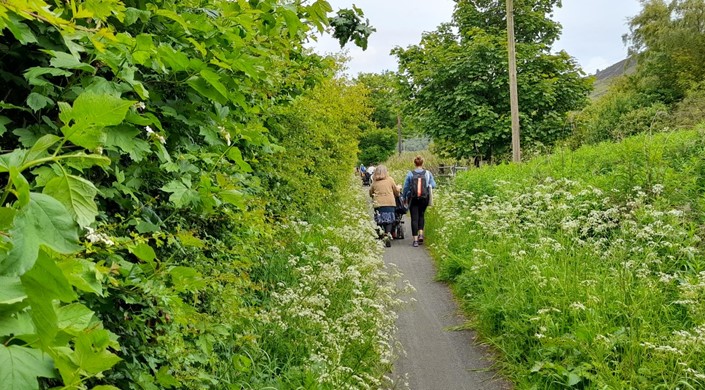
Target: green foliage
(319, 133)
(667, 41)
(584, 267)
(619, 113)
(377, 145)
(349, 27)
(138, 141)
(458, 79)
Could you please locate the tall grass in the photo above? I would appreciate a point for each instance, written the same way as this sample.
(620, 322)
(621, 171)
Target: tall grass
(329, 318)
(585, 268)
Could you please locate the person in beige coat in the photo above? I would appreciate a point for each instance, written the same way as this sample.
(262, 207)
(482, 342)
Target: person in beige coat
(384, 192)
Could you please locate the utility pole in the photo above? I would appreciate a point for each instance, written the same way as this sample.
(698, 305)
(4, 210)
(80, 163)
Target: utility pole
(399, 141)
(513, 94)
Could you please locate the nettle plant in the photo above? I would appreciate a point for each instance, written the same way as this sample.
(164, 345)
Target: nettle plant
(120, 120)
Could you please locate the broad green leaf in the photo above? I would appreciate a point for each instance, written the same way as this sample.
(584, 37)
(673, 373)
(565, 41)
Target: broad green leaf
(181, 195)
(143, 252)
(68, 61)
(37, 101)
(11, 290)
(173, 16)
(134, 14)
(34, 75)
(234, 197)
(214, 80)
(175, 60)
(105, 387)
(21, 31)
(21, 186)
(4, 121)
(235, 155)
(12, 159)
(125, 138)
(74, 318)
(91, 114)
(41, 146)
(82, 160)
(18, 323)
(47, 280)
(83, 275)
(91, 354)
(43, 221)
(201, 86)
(77, 194)
(43, 174)
(102, 9)
(7, 215)
(20, 367)
(165, 379)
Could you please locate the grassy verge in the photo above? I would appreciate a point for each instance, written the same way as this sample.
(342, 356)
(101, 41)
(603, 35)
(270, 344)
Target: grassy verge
(585, 268)
(327, 302)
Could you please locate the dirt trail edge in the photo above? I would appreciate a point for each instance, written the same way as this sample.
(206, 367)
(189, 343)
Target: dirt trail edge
(437, 357)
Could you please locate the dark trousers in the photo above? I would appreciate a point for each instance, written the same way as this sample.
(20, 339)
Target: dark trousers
(417, 209)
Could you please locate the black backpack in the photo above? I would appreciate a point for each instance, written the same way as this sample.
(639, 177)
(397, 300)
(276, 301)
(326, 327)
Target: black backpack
(419, 185)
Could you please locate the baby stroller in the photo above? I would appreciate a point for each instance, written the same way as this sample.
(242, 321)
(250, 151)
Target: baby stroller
(399, 212)
(366, 179)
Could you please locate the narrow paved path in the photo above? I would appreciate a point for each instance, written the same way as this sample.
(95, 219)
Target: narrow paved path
(437, 357)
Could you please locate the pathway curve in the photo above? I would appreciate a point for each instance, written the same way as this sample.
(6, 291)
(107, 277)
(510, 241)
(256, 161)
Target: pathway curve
(437, 357)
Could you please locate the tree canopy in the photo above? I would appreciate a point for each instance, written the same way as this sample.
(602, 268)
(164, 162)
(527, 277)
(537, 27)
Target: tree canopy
(458, 79)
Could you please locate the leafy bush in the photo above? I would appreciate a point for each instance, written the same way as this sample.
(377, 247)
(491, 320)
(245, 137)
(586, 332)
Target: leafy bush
(377, 145)
(585, 268)
(142, 188)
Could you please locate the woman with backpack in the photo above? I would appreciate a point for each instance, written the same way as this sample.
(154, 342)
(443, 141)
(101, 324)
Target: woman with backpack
(418, 187)
(384, 192)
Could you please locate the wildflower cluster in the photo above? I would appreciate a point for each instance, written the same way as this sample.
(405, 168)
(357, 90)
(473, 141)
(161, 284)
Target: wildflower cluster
(333, 311)
(577, 283)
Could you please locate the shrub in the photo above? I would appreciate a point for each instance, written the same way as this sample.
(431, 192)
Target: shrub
(377, 145)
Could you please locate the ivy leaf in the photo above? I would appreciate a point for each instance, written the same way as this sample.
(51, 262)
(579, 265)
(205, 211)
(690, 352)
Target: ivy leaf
(20, 367)
(43, 221)
(77, 194)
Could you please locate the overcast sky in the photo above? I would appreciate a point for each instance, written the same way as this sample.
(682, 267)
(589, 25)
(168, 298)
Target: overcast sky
(592, 30)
